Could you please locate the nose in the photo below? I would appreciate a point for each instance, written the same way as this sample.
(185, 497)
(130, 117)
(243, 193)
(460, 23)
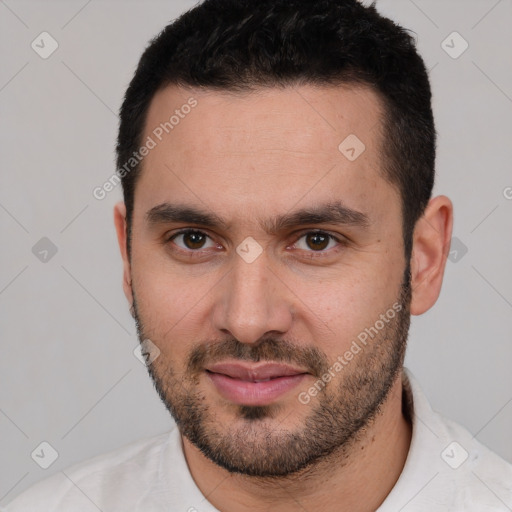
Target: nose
(252, 301)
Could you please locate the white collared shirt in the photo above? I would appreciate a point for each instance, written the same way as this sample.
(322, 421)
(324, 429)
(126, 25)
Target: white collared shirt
(446, 470)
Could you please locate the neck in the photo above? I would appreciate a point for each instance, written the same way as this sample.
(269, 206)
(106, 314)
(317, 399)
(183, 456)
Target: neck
(358, 477)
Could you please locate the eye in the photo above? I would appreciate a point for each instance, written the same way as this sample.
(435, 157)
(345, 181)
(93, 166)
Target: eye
(316, 241)
(191, 240)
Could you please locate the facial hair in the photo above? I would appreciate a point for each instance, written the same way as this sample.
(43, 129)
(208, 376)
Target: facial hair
(255, 444)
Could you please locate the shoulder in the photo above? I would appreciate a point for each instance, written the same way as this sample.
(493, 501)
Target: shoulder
(90, 484)
(447, 467)
(486, 475)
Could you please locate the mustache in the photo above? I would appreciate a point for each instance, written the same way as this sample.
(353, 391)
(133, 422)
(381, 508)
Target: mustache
(311, 359)
(268, 349)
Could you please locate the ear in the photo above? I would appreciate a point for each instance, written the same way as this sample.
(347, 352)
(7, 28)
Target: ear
(431, 246)
(121, 228)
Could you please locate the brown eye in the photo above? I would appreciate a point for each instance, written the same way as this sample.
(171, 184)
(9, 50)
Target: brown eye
(194, 240)
(317, 241)
(190, 240)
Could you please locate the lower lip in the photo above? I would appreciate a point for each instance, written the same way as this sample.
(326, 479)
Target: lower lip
(254, 393)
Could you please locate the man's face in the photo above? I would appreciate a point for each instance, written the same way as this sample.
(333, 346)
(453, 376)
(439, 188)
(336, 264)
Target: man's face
(267, 293)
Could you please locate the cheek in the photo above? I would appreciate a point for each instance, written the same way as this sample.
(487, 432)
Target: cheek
(341, 308)
(165, 285)
(169, 304)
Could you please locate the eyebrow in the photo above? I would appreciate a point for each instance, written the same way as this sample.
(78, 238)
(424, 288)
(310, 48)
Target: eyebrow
(328, 213)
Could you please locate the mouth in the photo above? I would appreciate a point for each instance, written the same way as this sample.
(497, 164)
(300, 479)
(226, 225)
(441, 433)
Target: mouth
(254, 384)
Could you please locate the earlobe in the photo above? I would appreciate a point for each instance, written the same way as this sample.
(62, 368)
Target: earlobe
(431, 245)
(121, 229)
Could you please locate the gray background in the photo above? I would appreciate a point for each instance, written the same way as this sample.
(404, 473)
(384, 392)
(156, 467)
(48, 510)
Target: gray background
(68, 373)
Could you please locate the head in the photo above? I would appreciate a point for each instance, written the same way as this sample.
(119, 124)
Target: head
(278, 220)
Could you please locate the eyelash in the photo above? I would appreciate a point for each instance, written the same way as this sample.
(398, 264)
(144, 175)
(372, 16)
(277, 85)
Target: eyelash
(325, 252)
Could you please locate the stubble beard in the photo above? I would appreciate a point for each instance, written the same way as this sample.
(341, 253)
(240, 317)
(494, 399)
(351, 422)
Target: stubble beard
(254, 443)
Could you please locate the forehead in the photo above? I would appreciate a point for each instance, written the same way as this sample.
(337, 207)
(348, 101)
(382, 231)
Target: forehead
(276, 145)
(304, 117)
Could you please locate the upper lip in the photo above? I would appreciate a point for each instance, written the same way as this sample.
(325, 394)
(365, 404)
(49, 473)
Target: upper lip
(254, 372)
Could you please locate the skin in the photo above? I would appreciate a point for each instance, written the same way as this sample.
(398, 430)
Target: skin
(250, 157)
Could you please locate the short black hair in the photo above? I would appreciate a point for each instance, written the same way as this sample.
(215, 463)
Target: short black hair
(240, 45)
